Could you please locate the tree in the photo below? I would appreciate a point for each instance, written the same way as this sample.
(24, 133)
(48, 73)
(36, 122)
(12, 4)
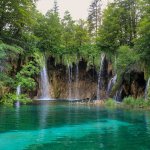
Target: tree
(68, 32)
(48, 30)
(128, 11)
(94, 17)
(81, 37)
(55, 8)
(142, 42)
(108, 35)
(15, 17)
(119, 25)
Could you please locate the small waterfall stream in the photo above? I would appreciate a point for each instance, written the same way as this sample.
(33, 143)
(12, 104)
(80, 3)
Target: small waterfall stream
(77, 81)
(70, 81)
(99, 86)
(118, 96)
(18, 92)
(111, 84)
(146, 89)
(45, 86)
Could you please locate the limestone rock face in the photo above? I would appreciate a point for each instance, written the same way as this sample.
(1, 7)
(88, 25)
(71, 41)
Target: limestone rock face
(84, 84)
(83, 87)
(135, 85)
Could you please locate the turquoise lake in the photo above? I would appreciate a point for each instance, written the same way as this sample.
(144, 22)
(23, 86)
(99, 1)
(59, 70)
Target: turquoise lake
(66, 126)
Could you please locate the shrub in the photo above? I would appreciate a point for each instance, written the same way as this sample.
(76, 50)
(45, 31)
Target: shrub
(11, 99)
(136, 103)
(111, 103)
(25, 77)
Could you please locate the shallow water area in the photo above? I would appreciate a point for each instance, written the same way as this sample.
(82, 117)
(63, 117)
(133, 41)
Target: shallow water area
(60, 125)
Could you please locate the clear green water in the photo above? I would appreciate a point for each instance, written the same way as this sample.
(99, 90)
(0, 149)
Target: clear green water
(55, 126)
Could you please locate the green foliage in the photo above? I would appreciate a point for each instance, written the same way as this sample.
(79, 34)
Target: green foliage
(8, 52)
(136, 103)
(38, 59)
(17, 15)
(68, 35)
(119, 25)
(110, 103)
(94, 17)
(126, 58)
(108, 40)
(6, 82)
(69, 59)
(25, 76)
(11, 99)
(48, 29)
(8, 56)
(142, 42)
(29, 69)
(81, 37)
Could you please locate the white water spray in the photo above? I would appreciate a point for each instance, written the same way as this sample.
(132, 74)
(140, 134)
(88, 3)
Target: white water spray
(118, 96)
(99, 86)
(18, 92)
(70, 81)
(77, 81)
(146, 89)
(111, 84)
(45, 86)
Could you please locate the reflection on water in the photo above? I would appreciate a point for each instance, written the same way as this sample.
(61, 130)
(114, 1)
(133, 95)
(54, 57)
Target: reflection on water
(65, 126)
(17, 117)
(43, 114)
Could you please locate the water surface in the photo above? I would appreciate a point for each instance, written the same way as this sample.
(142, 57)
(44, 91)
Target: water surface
(63, 126)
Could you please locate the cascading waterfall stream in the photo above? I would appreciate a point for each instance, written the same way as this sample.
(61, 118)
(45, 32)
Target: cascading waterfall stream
(99, 86)
(118, 96)
(146, 89)
(18, 92)
(77, 81)
(111, 84)
(70, 81)
(45, 86)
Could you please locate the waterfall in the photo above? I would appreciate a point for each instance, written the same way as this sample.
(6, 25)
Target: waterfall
(45, 86)
(18, 92)
(70, 81)
(111, 84)
(146, 89)
(118, 96)
(99, 86)
(77, 81)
